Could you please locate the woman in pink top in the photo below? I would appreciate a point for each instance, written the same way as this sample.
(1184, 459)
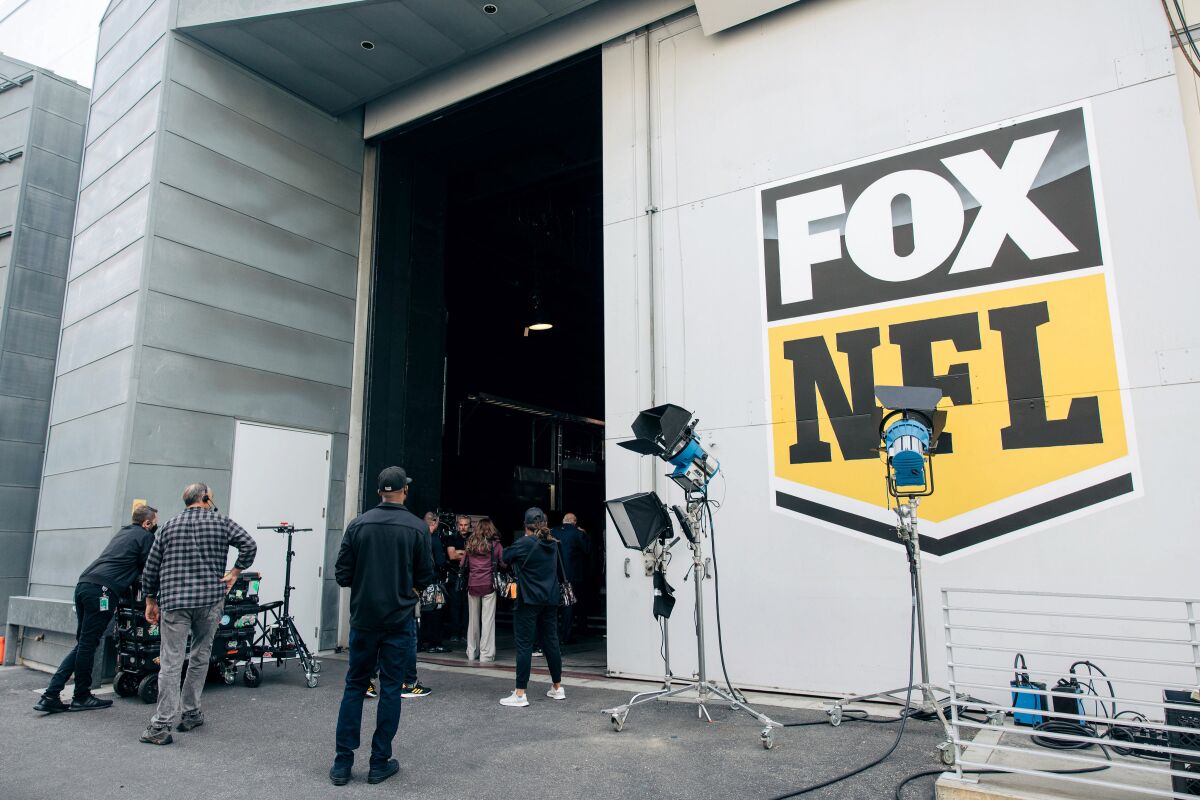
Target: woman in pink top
(480, 562)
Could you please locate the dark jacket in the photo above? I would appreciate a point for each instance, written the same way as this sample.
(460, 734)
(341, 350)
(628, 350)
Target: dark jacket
(121, 563)
(535, 563)
(573, 545)
(385, 560)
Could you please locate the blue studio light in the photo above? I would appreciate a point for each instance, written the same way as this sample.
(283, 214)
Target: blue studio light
(907, 441)
(694, 467)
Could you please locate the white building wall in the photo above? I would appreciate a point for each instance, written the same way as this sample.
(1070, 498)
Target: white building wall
(807, 607)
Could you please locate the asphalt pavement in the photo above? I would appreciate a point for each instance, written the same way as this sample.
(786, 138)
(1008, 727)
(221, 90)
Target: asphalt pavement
(276, 741)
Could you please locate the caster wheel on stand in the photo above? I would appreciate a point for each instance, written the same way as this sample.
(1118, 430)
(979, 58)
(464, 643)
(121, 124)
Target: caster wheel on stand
(311, 680)
(618, 722)
(946, 753)
(316, 668)
(768, 739)
(251, 676)
(835, 716)
(229, 676)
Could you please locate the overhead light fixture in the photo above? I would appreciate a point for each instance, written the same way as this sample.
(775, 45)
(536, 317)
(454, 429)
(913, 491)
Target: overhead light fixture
(366, 45)
(490, 8)
(539, 320)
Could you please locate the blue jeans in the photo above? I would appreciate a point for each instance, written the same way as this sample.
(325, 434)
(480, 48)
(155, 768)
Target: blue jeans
(389, 652)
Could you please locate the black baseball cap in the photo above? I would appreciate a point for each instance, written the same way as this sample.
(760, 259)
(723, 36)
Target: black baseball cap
(533, 516)
(393, 479)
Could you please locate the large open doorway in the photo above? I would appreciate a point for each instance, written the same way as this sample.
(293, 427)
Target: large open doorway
(489, 230)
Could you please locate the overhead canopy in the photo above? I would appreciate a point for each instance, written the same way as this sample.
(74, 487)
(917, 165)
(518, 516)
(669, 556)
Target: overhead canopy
(315, 49)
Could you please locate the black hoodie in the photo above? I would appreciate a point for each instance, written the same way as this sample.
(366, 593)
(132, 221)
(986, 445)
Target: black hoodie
(535, 562)
(385, 560)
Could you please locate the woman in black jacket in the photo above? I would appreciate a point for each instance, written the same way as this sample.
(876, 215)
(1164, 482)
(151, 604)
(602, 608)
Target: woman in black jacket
(534, 560)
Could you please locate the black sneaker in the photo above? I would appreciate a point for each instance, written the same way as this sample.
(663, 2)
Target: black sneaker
(339, 774)
(190, 723)
(90, 703)
(437, 648)
(372, 692)
(538, 653)
(50, 704)
(416, 690)
(381, 774)
(153, 735)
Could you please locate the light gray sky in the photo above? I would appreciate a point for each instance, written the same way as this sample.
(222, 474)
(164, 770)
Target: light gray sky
(58, 35)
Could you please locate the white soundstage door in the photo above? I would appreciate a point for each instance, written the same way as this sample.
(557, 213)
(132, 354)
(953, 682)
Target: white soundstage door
(282, 475)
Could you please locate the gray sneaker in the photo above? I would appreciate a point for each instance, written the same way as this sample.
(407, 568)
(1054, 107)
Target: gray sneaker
(153, 735)
(190, 722)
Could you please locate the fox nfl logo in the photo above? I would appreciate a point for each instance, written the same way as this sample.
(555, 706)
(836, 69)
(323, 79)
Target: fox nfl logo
(977, 264)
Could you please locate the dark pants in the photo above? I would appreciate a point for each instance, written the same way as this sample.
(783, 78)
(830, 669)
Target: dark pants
(370, 650)
(431, 629)
(410, 662)
(89, 627)
(538, 623)
(456, 608)
(566, 618)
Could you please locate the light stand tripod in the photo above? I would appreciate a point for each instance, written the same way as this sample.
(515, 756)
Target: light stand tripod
(705, 690)
(279, 638)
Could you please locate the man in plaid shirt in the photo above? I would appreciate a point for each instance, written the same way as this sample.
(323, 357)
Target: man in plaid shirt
(185, 583)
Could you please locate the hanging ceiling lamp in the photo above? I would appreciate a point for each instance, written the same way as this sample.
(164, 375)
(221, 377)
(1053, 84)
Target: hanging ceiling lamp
(539, 320)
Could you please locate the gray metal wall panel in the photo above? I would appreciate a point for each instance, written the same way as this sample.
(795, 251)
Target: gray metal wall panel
(62, 553)
(26, 376)
(218, 128)
(121, 228)
(6, 243)
(134, 42)
(57, 134)
(259, 293)
(333, 543)
(115, 186)
(15, 549)
(52, 172)
(171, 436)
(11, 173)
(47, 211)
(120, 139)
(20, 463)
(184, 326)
(330, 592)
(14, 100)
(118, 19)
(180, 381)
(107, 283)
(41, 251)
(35, 291)
(162, 486)
(86, 442)
(3, 286)
(47, 647)
(93, 388)
(127, 91)
(14, 129)
(30, 334)
(66, 99)
(99, 335)
(18, 507)
(245, 189)
(23, 419)
(338, 139)
(9, 199)
(193, 221)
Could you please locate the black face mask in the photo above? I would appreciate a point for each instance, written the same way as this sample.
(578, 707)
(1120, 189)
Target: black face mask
(152, 528)
(214, 509)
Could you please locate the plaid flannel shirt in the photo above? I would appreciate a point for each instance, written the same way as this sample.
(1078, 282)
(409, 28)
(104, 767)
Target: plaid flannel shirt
(187, 561)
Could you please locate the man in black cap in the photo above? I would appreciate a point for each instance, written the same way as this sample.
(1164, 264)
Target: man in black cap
(385, 560)
(115, 572)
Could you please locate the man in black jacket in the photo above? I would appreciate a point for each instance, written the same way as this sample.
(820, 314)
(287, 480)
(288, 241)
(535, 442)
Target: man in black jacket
(385, 560)
(573, 547)
(115, 572)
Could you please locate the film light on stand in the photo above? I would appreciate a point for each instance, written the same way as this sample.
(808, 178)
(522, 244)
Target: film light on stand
(641, 519)
(909, 432)
(669, 432)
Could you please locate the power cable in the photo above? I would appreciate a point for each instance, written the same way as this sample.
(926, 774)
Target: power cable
(712, 533)
(1187, 55)
(912, 645)
(1186, 29)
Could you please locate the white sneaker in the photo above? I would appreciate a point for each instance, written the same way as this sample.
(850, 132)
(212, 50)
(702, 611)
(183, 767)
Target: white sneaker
(557, 694)
(515, 700)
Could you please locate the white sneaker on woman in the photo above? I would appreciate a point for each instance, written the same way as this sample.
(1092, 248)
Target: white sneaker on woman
(515, 700)
(557, 694)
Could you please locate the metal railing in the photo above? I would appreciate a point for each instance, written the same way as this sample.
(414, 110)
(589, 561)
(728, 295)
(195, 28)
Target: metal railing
(1094, 711)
